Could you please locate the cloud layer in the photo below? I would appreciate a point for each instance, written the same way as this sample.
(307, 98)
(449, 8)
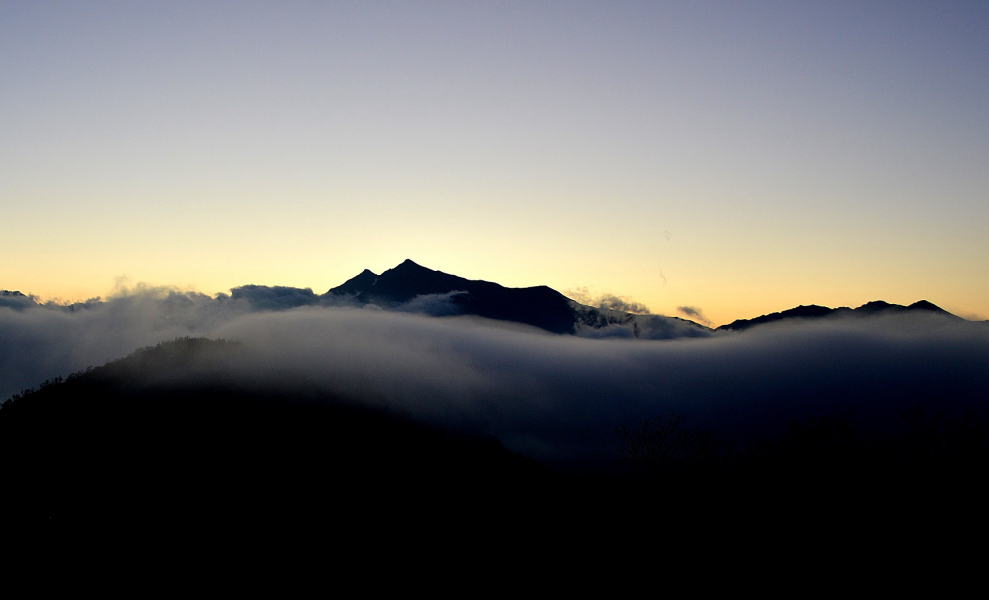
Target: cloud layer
(550, 396)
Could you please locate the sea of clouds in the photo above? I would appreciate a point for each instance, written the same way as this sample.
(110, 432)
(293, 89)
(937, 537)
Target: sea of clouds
(542, 394)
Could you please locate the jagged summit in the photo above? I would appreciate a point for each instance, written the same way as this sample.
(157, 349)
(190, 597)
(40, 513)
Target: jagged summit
(410, 266)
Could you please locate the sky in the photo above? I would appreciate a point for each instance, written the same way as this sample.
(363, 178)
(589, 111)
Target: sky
(737, 157)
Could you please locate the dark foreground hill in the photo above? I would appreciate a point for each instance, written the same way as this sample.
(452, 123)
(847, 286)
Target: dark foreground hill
(133, 445)
(165, 441)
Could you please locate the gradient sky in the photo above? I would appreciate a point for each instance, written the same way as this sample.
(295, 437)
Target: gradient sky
(741, 157)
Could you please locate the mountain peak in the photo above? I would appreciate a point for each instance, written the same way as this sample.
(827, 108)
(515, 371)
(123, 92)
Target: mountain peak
(931, 307)
(356, 284)
(926, 305)
(408, 262)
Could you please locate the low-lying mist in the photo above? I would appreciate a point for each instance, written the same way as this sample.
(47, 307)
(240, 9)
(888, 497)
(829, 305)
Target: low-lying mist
(545, 395)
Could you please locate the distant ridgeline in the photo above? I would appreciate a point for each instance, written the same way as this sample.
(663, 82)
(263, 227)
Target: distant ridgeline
(410, 287)
(814, 311)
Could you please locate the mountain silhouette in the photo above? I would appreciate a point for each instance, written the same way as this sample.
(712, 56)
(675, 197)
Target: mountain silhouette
(813, 311)
(539, 306)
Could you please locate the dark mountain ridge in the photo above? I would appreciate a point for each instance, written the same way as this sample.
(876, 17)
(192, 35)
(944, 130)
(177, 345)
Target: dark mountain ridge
(539, 306)
(813, 311)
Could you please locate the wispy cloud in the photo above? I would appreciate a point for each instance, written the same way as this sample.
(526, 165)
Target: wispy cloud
(694, 313)
(607, 301)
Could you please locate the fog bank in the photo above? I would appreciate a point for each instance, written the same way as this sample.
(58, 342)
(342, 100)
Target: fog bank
(543, 394)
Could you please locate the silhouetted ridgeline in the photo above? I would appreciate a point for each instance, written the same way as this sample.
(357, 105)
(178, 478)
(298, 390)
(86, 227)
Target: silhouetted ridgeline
(813, 311)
